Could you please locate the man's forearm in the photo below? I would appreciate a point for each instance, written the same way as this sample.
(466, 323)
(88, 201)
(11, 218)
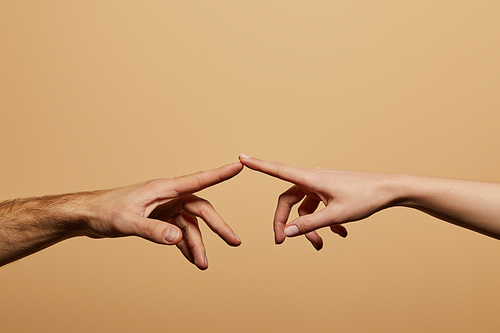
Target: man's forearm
(30, 225)
(163, 211)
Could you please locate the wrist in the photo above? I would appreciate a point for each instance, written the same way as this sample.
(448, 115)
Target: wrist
(83, 213)
(405, 190)
(388, 188)
(70, 213)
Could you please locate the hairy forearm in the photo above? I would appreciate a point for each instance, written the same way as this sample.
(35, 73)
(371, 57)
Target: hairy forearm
(30, 225)
(471, 204)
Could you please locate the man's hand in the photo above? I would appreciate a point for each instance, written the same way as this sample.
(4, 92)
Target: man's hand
(164, 211)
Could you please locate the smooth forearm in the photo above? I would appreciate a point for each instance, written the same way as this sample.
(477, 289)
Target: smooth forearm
(471, 204)
(29, 225)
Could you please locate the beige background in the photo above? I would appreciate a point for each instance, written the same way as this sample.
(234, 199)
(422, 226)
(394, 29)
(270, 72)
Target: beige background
(101, 94)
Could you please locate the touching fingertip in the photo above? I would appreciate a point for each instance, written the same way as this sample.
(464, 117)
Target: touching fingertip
(237, 163)
(244, 156)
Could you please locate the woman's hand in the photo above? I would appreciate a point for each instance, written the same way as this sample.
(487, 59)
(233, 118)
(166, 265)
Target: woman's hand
(347, 196)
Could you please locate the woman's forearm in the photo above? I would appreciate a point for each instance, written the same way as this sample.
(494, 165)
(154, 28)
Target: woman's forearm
(352, 196)
(471, 204)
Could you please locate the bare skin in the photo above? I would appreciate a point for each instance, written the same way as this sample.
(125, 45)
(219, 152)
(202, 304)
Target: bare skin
(163, 211)
(352, 196)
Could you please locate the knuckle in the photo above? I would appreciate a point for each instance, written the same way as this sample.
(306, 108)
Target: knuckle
(220, 177)
(337, 216)
(278, 169)
(336, 219)
(302, 211)
(149, 229)
(204, 207)
(285, 197)
(194, 247)
(307, 224)
(282, 197)
(198, 179)
(157, 183)
(189, 220)
(314, 174)
(182, 225)
(204, 203)
(159, 186)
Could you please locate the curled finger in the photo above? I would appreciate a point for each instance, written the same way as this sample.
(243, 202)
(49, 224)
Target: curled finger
(309, 206)
(286, 201)
(192, 239)
(202, 208)
(339, 229)
(183, 247)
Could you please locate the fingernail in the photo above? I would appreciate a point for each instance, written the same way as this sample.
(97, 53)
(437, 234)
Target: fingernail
(206, 261)
(291, 231)
(236, 236)
(171, 235)
(244, 156)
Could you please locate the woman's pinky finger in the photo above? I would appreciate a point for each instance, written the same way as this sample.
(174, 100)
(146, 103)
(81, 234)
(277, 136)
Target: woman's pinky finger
(315, 240)
(339, 229)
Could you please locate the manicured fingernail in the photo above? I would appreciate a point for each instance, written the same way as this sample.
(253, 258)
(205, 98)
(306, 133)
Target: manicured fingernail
(236, 236)
(244, 156)
(171, 235)
(291, 231)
